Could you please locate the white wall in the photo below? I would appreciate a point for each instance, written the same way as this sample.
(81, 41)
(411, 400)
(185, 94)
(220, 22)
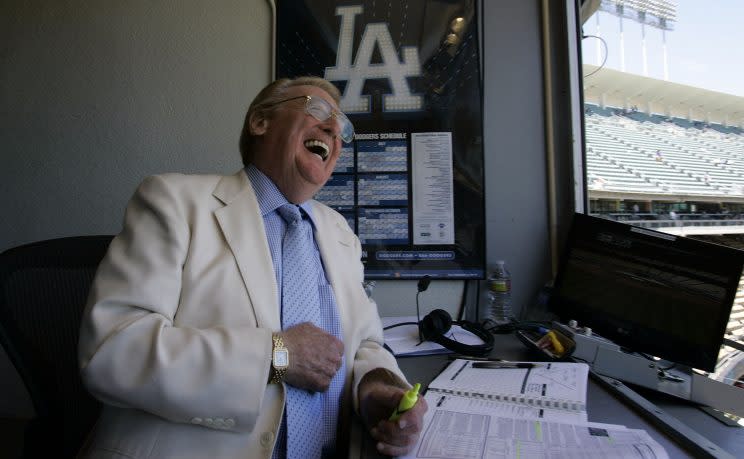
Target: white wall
(97, 95)
(516, 197)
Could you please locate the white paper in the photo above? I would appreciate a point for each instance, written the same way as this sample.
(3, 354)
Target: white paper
(452, 431)
(464, 404)
(404, 340)
(559, 385)
(478, 413)
(432, 188)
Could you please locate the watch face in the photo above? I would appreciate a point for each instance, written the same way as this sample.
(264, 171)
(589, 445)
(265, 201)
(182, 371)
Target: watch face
(281, 358)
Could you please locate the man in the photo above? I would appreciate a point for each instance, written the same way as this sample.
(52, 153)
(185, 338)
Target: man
(194, 311)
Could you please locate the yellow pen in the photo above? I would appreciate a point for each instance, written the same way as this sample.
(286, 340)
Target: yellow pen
(406, 402)
(557, 346)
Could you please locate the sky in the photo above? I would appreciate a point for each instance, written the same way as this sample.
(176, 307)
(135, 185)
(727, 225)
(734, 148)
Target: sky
(705, 49)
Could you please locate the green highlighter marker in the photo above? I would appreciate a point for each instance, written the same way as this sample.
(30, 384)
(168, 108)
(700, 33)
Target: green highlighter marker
(406, 402)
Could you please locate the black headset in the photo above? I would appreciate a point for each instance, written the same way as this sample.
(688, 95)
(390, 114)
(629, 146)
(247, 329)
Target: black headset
(436, 324)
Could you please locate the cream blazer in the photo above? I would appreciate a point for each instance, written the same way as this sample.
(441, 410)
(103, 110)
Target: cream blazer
(176, 336)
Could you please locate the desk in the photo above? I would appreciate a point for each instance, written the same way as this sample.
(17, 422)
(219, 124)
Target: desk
(602, 406)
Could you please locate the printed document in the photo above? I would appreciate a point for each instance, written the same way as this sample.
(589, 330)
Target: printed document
(535, 411)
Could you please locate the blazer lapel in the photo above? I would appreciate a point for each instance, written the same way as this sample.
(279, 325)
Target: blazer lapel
(243, 228)
(332, 240)
(335, 242)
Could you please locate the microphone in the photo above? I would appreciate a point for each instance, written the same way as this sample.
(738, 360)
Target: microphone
(423, 283)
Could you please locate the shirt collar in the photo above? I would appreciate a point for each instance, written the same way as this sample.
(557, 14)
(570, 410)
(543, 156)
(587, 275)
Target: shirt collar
(268, 195)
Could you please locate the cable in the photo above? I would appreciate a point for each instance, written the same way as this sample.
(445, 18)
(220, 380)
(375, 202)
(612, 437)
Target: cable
(477, 301)
(498, 329)
(604, 60)
(480, 7)
(400, 324)
(423, 284)
(463, 299)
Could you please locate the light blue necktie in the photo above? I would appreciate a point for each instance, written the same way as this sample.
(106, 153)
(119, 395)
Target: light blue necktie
(300, 303)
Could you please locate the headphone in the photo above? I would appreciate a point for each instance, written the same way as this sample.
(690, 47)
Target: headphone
(437, 323)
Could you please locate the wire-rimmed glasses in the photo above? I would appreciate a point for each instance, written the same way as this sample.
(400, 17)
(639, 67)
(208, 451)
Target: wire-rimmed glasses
(321, 110)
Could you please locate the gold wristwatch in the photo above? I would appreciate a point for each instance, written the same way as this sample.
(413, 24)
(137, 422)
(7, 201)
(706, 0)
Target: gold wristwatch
(279, 359)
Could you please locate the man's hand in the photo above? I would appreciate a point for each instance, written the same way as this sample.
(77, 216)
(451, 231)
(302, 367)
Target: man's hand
(314, 356)
(379, 394)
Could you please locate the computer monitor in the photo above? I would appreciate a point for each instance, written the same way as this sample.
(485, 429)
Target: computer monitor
(650, 292)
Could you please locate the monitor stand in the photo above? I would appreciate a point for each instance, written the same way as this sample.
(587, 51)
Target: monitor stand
(608, 359)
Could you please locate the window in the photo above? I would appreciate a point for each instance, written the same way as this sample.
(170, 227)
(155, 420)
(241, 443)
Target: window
(664, 125)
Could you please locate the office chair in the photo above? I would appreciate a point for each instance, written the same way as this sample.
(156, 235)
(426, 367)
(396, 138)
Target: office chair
(43, 291)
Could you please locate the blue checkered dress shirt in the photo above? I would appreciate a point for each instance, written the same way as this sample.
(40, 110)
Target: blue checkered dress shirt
(269, 200)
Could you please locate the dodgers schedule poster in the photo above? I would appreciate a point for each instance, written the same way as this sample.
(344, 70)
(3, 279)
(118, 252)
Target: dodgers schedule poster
(411, 182)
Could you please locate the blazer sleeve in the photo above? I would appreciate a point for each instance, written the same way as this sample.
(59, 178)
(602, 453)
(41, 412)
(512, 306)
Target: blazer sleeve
(131, 352)
(371, 353)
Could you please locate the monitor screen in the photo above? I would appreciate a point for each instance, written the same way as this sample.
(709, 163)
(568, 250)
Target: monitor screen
(648, 291)
(411, 182)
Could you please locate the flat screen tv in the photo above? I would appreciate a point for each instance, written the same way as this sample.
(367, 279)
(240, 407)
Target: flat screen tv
(650, 292)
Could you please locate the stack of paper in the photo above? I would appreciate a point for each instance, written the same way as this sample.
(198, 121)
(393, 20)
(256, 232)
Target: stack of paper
(538, 411)
(404, 339)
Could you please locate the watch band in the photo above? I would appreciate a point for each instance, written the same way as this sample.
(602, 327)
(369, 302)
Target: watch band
(279, 359)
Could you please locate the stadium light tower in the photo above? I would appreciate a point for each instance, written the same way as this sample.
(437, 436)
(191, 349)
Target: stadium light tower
(660, 14)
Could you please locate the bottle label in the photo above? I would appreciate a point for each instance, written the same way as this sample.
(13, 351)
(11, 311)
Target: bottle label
(500, 285)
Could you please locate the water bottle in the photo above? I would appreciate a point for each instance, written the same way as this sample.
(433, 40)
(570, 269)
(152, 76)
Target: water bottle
(499, 295)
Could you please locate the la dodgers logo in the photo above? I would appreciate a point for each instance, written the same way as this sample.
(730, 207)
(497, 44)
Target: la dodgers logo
(362, 69)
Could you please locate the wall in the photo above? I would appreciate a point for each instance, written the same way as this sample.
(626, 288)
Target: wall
(516, 201)
(97, 95)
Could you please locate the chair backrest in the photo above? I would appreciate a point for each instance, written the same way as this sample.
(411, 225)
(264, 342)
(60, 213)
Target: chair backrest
(43, 290)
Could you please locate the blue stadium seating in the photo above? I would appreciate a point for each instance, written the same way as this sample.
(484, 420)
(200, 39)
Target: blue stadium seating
(642, 153)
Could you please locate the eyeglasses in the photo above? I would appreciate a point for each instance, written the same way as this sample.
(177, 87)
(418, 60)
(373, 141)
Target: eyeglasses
(321, 111)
